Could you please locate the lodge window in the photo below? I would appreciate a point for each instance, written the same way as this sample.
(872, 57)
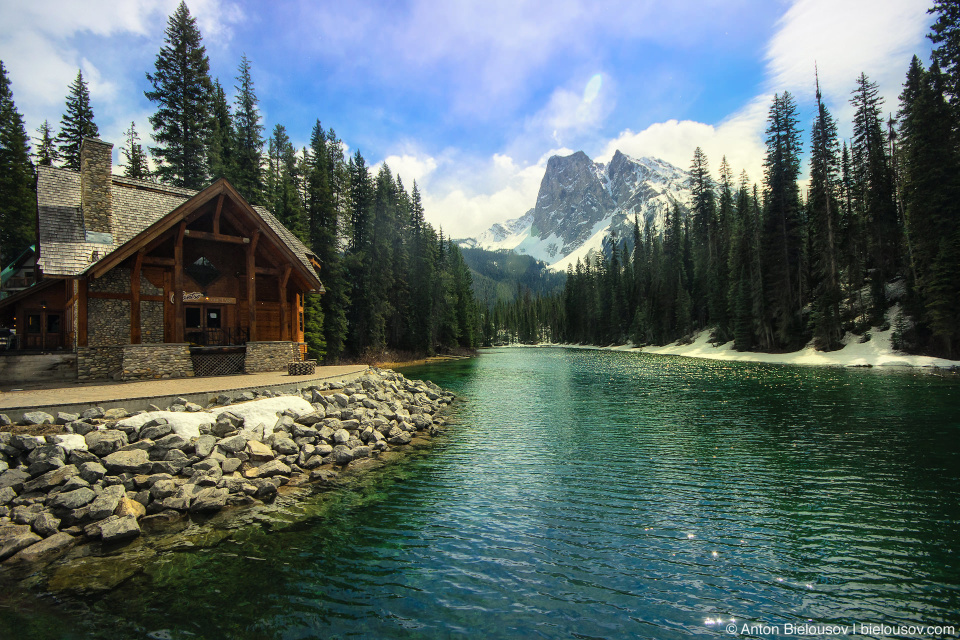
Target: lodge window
(33, 323)
(213, 318)
(53, 323)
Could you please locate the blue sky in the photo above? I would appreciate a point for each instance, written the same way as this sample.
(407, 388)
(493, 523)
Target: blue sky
(471, 98)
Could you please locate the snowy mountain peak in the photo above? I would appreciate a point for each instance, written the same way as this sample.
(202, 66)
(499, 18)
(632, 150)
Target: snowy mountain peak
(581, 202)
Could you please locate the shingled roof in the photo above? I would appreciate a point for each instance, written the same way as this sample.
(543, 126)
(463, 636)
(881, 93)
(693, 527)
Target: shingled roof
(65, 246)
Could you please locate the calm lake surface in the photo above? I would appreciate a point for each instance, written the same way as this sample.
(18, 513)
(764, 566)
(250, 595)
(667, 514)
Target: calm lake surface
(587, 494)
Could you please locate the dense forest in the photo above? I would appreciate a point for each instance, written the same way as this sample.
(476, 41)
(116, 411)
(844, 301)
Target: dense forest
(392, 281)
(873, 240)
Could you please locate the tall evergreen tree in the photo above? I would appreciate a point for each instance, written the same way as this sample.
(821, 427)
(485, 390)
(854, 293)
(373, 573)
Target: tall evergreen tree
(135, 161)
(181, 89)
(221, 143)
(18, 200)
(283, 183)
(945, 35)
(249, 138)
(47, 154)
(782, 235)
(76, 123)
(824, 228)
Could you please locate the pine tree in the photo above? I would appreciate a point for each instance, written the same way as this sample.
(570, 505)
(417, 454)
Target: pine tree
(703, 229)
(283, 183)
(47, 154)
(874, 191)
(824, 228)
(182, 90)
(221, 144)
(782, 235)
(945, 34)
(18, 200)
(249, 140)
(135, 165)
(76, 123)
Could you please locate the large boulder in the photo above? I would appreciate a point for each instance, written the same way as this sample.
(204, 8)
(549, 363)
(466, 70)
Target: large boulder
(72, 500)
(14, 537)
(135, 461)
(209, 499)
(14, 478)
(45, 550)
(37, 418)
(259, 451)
(119, 529)
(51, 479)
(268, 470)
(106, 441)
(106, 503)
(46, 458)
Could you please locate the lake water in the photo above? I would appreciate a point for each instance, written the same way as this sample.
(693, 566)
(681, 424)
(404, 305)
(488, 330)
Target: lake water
(587, 494)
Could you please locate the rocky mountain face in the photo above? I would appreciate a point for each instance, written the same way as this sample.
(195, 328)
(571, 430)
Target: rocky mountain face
(582, 202)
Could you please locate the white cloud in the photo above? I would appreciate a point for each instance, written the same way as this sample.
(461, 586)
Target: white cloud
(410, 167)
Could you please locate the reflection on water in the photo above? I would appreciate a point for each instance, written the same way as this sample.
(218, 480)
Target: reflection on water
(601, 495)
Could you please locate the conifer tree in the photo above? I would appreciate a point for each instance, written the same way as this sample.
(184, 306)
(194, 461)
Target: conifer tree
(824, 228)
(782, 236)
(47, 154)
(181, 89)
(76, 123)
(283, 183)
(249, 137)
(135, 161)
(18, 200)
(945, 35)
(221, 143)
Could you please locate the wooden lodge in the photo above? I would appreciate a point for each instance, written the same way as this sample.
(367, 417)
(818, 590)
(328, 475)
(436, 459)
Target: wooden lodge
(142, 280)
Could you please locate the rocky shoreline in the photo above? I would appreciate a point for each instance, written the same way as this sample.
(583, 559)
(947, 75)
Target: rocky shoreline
(111, 475)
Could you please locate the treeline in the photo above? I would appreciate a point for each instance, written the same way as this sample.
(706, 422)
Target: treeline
(771, 268)
(392, 280)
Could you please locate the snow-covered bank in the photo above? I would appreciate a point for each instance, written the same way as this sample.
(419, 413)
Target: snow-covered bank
(877, 352)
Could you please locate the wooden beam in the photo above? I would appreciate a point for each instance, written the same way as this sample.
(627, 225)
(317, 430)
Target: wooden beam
(178, 285)
(157, 261)
(252, 284)
(82, 313)
(268, 271)
(216, 237)
(230, 217)
(216, 215)
(284, 305)
(316, 265)
(135, 298)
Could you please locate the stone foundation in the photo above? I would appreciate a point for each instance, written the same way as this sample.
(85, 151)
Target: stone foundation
(153, 361)
(271, 356)
(134, 362)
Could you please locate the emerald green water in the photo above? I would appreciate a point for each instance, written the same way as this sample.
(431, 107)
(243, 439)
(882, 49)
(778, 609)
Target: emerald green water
(593, 495)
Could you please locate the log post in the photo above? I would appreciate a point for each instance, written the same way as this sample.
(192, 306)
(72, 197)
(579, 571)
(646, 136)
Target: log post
(252, 284)
(135, 337)
(284, 310)
(178, 285)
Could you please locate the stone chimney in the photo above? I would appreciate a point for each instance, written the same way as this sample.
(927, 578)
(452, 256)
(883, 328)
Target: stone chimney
(96, 201)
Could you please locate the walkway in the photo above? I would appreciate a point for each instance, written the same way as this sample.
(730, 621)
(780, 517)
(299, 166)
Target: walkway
(134, 396)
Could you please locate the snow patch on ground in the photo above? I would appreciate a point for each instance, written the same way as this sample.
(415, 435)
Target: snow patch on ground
(187, 424)
(878, 352)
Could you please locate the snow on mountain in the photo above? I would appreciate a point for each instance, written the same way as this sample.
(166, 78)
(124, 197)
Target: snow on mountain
(582, 202)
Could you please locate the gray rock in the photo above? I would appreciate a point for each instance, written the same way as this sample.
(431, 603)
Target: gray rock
(81, 427)
(173, 441)
(14, 537)
(106, 503)
(37, 417)
(45, 524)
(204, 445)
(92, 471)
(136, 461)
(65, 418)
(106, 441)
(265, 488)
(92, 413)
(79, 456)
(26, 513)
(310, 419)
(120, 529)
(209, 499)
(14, 478)
(193, 407)
(145, 443)
(155, 430)
(285, 446)
(51, 479)
(117, 413)
(74, 482)
(323, 450)
(24, 442)
(71, 500)
(272, 468)
(4, 420)
(342, 454)
(230, 465)
(223, 399)
(45, 551)
(340, 436)
(233, 444)
(361, 452)
(7, 494)
(341, 399)
(163, 489)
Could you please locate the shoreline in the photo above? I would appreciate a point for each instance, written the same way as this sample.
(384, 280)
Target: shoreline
(877, 352)
(202, 478)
